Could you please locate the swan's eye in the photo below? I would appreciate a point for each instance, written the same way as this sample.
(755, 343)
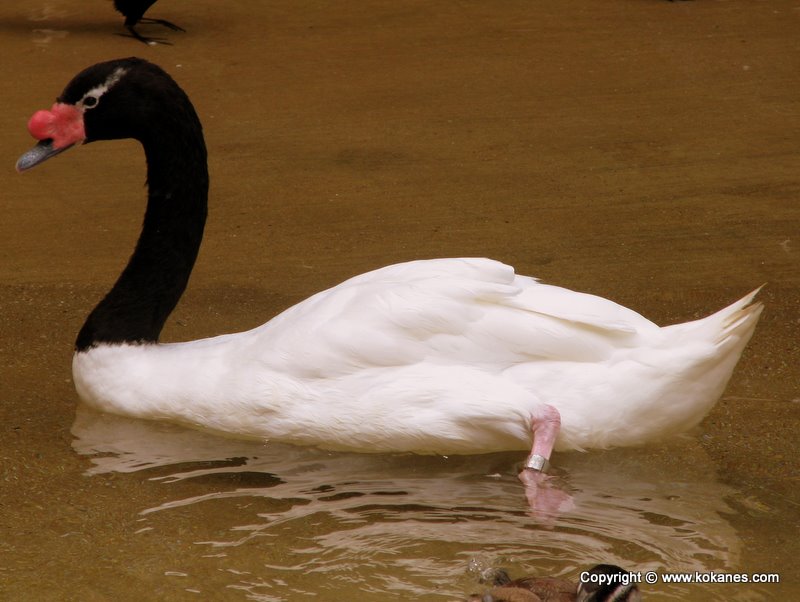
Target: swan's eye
(92, 97)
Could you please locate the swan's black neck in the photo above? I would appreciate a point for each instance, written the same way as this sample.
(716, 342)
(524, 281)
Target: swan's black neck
(136, 308)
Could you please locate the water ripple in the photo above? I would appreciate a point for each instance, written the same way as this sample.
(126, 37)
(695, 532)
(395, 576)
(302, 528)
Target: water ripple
(279, 522)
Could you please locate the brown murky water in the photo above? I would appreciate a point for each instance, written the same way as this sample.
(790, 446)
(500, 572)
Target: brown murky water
(642, 150)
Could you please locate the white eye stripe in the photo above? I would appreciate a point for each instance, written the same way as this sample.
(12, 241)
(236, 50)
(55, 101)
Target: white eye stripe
(96, 92)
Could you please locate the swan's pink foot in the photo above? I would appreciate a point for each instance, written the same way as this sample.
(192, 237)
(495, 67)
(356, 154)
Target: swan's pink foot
(546, 501)
(544, 428)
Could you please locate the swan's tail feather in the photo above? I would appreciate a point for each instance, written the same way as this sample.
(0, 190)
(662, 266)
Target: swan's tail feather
(739, 318)
(730, 327)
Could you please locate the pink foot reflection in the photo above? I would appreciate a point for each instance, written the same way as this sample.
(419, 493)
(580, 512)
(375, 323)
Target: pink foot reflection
(546, 501)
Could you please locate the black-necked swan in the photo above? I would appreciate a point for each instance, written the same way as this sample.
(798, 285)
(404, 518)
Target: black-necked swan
(445, 356)
(133, 11)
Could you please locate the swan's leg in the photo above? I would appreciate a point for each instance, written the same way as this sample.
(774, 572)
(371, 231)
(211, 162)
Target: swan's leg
(147, 40)
(544, 428)
(130, 25)
(545, 499)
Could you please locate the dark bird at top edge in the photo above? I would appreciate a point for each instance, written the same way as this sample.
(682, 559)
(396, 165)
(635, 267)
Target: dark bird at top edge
(133, 11)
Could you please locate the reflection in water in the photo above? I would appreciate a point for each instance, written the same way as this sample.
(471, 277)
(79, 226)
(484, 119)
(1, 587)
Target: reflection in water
(46, 12)
(43, 37)
(301, 522)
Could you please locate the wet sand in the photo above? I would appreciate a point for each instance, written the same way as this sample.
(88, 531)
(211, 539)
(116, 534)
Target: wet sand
(644, 151)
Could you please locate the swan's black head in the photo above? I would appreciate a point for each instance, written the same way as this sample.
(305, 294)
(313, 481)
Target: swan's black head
(131, 98)
(608, 583)
(123, 98)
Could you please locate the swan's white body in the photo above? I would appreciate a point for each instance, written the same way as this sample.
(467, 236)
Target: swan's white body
(440, 356)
